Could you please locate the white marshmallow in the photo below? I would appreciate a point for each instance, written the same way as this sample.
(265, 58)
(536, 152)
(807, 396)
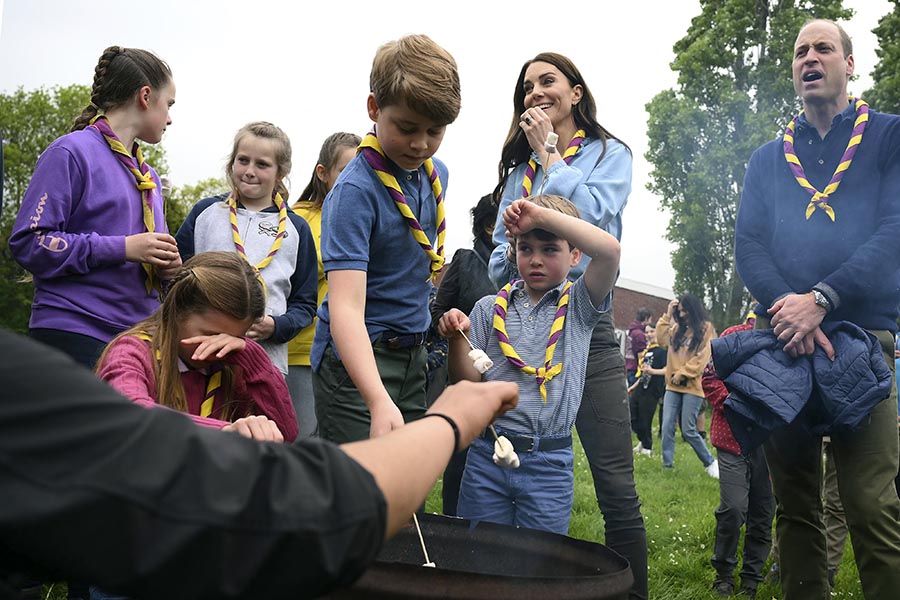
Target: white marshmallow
(504, 454)
(550, 144)
(481, 360)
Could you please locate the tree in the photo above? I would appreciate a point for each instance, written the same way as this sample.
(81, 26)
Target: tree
(180, 200)
(885, 94)
(734, 93)
(30, 121)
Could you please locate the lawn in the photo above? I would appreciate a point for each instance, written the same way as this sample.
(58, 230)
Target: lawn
(678, 507)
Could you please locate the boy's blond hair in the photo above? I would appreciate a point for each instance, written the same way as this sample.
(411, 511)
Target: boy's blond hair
(417, 72)
(553, 202)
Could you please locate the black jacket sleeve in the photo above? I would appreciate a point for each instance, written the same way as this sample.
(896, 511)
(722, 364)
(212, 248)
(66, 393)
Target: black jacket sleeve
(144, 502)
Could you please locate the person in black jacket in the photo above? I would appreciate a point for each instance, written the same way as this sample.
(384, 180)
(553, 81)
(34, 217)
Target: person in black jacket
(465, 283)
(87, 494)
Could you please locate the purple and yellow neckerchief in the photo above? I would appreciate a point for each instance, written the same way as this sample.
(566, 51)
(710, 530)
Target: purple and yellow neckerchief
(374, 155)
(820, 199)
(571, 150)
(142, 179)
(544, 373)
(279, 235)
(213, 379)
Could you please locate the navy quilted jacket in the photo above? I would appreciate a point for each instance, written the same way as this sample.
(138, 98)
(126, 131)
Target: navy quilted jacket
(769, 389)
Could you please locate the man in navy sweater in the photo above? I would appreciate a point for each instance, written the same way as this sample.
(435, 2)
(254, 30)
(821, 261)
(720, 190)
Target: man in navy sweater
(817, 238)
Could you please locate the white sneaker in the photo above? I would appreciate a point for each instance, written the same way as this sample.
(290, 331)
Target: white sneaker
(713, 469)
(637, 449)
(646, 452)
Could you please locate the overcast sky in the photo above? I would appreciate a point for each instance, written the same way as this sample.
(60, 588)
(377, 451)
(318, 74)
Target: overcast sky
(304, 66)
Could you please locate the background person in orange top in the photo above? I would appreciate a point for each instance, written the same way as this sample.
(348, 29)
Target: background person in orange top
(686, 331)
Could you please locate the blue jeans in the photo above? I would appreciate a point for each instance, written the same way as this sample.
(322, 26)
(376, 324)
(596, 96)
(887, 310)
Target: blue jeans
(538, 495)
(98, 594)
(689, 407)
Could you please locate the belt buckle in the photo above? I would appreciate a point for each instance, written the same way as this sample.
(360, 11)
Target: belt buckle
(533, 446)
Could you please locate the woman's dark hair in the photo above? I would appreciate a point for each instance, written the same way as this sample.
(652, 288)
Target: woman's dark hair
(693, 323)
(516, 149)
(118, 76)
(483, 214)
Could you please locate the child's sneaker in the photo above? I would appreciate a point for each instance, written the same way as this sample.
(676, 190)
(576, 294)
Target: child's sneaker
(637, 449)
(646, 452)
(713, 469)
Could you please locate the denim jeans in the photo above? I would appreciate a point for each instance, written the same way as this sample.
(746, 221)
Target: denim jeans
(98, 594)
(537, 495)
(689, 407)
(604, 427)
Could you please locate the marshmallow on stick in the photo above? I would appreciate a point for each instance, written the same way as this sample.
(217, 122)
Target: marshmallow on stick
(481, 360)
(504, 454)
(550, 144)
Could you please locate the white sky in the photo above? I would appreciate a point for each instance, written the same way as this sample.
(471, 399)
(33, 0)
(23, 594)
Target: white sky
(304, 66)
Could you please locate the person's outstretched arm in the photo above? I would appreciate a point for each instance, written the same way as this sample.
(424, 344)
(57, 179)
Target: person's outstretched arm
(98, 489)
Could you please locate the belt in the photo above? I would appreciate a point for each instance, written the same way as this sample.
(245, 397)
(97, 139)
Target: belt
(397, 341)
(532, 443)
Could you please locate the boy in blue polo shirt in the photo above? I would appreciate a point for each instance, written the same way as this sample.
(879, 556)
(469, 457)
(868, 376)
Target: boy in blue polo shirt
(537, 332)
(382, 243)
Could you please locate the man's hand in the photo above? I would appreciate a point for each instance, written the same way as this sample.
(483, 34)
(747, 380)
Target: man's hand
(795, 317)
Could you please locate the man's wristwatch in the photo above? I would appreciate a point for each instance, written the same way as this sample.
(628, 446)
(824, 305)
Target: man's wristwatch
(821, 300)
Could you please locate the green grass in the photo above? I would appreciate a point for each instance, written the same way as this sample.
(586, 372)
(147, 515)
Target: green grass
(678, 507)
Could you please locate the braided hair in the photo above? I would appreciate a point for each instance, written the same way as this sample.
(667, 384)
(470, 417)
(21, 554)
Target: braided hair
(119, 74)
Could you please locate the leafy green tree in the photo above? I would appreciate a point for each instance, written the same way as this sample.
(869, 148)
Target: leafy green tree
(885, 94)
(181, 199)
(734, 93)
(30, 120)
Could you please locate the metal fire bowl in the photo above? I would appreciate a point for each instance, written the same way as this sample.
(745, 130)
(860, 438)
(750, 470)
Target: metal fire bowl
(491, 561)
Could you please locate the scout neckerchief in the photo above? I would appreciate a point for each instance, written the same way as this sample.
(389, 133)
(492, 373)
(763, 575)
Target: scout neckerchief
(376, 158)
(279, 235)
(213, 379)
(142, 179)
(820, 199)
(544, 373)
(571, 150)
(641, 358)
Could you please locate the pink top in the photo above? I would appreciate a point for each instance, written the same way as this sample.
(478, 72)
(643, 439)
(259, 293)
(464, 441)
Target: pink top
(258, 386)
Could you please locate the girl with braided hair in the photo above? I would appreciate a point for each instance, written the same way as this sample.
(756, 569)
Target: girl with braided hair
(191, 355)
(91, 229)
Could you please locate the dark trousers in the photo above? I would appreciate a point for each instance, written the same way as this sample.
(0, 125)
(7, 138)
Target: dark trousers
(84, 349)
(340, 409)
(643, 406)
(867, 463)
(451, 480)
(745, 498)
(604, 427)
